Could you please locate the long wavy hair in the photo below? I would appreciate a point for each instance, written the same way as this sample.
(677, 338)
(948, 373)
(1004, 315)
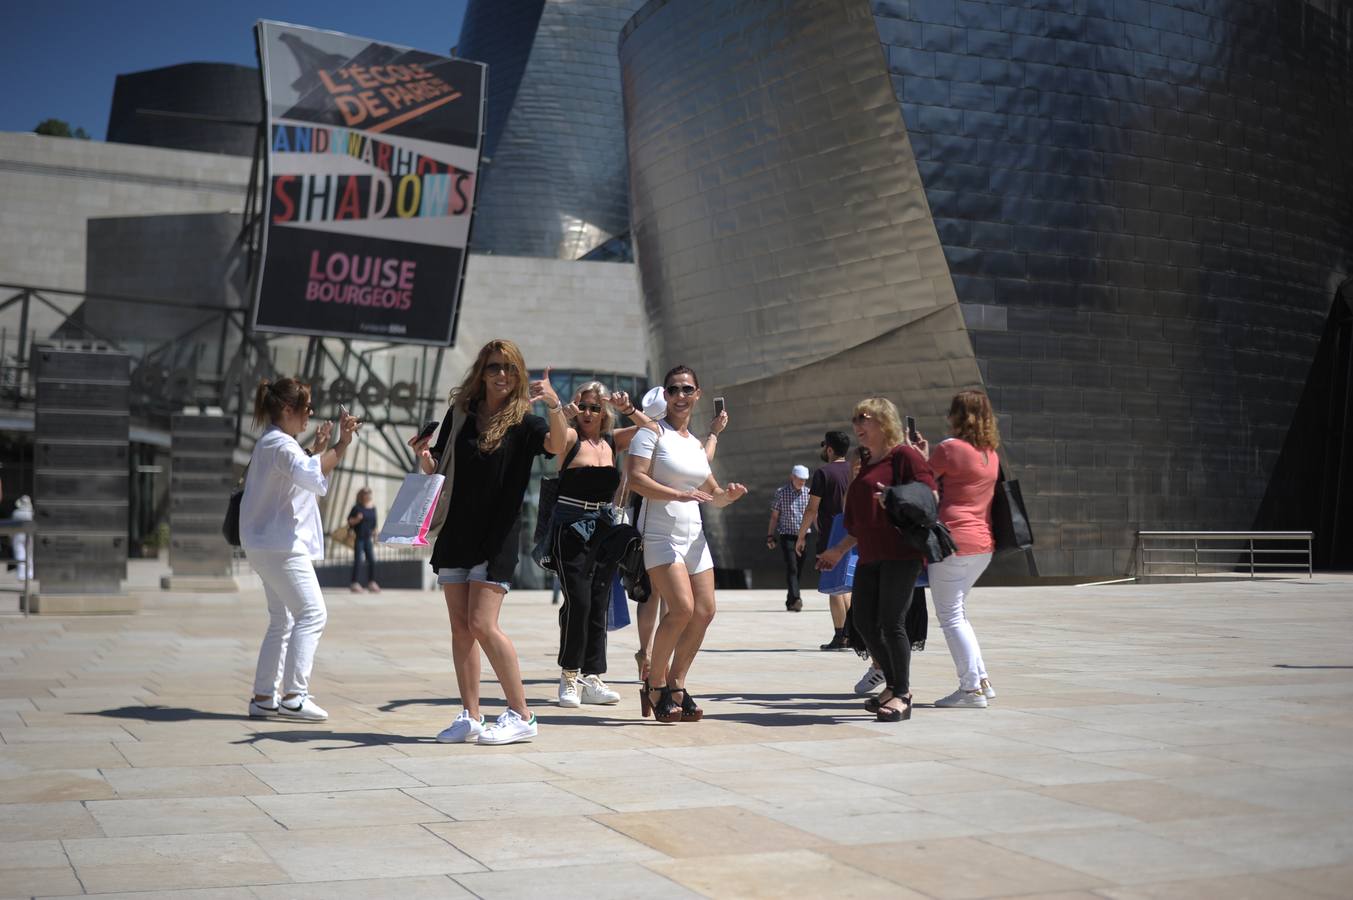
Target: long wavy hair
(595, 387)
(971, 419)
(472, 392)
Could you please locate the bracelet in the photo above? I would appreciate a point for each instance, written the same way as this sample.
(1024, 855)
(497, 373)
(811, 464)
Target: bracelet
(628, 412)
(559, 408)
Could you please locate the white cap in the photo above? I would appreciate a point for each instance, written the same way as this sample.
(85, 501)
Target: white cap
(799, 472)
(655, 403)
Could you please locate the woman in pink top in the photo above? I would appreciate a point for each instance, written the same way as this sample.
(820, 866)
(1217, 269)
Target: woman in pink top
(965, 465)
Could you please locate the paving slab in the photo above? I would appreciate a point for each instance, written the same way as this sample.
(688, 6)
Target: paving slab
(1163, 741)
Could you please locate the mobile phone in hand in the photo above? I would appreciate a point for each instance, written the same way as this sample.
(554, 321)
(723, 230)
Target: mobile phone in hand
(342, 411)
(912, 435)
(718, 406)
(426, 431)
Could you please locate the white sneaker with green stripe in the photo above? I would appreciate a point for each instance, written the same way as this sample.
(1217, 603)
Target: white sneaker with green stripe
(509, 729)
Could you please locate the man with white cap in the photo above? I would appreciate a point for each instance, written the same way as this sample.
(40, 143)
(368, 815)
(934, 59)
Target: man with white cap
(786, 515)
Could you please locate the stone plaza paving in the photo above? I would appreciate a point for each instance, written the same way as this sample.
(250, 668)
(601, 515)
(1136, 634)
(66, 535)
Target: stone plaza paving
(1163, 741)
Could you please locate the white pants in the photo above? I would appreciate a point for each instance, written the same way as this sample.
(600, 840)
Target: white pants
(296, 617)
(21, 556)
(950, 583)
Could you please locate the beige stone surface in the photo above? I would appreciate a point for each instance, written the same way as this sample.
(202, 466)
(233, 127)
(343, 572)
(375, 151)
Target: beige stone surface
(1148, 742)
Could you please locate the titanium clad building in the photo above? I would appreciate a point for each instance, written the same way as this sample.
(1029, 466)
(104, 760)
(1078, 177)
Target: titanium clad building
(1127, 220)
(554, 179)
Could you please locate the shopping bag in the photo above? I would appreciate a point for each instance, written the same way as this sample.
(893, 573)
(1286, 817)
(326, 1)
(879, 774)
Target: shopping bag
(410, 516)
(1009, 519)
(618, 616)
(344, 535)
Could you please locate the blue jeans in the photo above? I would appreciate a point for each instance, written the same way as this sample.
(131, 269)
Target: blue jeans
(363, 547)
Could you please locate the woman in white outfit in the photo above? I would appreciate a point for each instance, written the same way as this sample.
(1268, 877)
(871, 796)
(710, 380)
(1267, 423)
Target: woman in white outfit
(671, 472)
(966, 466)
(281, 534)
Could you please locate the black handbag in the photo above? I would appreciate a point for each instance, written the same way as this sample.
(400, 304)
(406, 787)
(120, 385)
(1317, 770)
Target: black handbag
(230, 528)
(549, 495)
(1009, 519)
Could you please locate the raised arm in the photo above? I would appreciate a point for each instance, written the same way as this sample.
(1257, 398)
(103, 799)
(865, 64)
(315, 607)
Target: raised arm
(561, 436)
(624, 406)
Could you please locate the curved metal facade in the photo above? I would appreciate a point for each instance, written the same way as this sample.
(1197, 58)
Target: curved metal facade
(212, 89)
(1126, 219)
(556, 183)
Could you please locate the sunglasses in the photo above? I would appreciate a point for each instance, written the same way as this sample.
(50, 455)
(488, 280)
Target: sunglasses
(593, 408)
(861, 417)
(500, 369)
(684, 390)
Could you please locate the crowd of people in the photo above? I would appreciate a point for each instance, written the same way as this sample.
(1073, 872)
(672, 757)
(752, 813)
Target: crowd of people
(639, 521)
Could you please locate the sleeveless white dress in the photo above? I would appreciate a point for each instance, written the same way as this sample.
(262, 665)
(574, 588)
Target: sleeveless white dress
(673, 529)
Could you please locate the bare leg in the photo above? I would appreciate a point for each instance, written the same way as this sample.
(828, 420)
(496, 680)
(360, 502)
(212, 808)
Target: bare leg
(464, 648)
(702, 591)
(839, 604)
(675, 586)
(647, 619)
(485, 602)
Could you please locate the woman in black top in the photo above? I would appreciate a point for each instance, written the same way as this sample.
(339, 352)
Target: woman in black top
(583, 513)
(476, 551)
(362, 521)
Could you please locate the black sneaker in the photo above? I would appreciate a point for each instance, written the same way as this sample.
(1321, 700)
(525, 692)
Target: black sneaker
(838, 642)
(795, 605)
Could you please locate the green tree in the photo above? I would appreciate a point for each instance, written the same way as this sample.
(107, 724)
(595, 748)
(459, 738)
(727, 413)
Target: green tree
(60, 128)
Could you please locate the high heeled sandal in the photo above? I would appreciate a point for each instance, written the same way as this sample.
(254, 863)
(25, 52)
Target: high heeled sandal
(873, 704)
(690, 712)
(885, 714)
(666, 709)
(645, 701)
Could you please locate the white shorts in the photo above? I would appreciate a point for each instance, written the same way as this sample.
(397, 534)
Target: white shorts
(479, 573)
(663, 551)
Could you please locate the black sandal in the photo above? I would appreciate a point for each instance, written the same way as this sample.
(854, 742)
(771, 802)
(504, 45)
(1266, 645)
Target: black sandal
(873, 704)
(895, 715)
(666, 709)
(645, 701)
(689, 711)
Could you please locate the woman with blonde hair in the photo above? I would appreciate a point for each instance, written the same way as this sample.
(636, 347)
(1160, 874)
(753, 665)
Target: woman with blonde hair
(281, 534)
(475, 554)
(583, 514)
(362, 522)
(967, 466)
(888, 566)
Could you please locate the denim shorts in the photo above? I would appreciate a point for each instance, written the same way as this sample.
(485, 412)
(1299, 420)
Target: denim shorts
(479, 573)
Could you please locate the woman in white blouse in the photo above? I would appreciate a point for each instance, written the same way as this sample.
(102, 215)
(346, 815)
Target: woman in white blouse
(671, 472)
(281, 534)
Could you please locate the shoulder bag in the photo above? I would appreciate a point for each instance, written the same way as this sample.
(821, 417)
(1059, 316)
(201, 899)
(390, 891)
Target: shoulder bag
(1010, 528)
(230, 528)
(446, 467)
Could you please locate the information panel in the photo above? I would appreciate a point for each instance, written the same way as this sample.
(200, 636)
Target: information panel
(373, 153)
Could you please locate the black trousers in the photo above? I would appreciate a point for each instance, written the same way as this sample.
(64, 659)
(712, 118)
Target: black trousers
(363, 547)
(793, 564)
(587, 597)
(880, 602)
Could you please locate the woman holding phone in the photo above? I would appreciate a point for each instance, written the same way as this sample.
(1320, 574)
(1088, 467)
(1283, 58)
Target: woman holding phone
(476, 551)
(670, 471)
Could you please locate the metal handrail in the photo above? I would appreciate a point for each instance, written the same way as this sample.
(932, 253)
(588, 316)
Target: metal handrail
(1192, 539)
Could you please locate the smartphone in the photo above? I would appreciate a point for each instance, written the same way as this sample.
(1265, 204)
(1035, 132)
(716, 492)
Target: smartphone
(718, 406)
(911, 430)
(342, 410)
(426, 431)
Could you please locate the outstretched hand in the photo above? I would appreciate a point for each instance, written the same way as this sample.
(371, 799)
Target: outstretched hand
(543, 390)
(322, 436)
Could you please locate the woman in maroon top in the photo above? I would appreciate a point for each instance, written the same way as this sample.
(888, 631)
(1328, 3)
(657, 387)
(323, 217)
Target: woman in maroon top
(888, 566)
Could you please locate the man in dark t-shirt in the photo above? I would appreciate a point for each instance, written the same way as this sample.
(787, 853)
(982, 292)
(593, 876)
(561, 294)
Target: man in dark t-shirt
(827, 494)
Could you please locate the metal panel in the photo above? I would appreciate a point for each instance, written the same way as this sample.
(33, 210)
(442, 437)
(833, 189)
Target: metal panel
(202, 477)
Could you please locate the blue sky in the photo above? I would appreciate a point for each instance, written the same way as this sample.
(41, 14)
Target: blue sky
(60, 57)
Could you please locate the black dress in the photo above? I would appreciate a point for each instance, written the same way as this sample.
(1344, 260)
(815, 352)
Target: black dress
(483, 519)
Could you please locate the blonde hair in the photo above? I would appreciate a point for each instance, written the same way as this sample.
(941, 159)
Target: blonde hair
(971, 419)
(883, 411)
(472, 391)
(595, 387)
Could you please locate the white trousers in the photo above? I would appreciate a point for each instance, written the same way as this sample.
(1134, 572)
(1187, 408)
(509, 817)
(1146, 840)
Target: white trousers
(21, 556)
(296, 617)
(951, 581)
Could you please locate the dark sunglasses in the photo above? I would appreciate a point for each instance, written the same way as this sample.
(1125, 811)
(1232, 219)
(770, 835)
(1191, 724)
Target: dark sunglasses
(500, 369)
(684, 389)
(589, 408)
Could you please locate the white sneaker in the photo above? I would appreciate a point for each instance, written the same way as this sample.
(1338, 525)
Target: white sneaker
(465, 730)
(306, 709)
(568, 689)
(987, 690)
(509, 729)
(961, 699)
(261, 711)
(594, 690)
(873, 680)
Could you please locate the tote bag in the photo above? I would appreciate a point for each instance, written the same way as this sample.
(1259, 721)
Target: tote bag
(1009, 519)
(410, 516)
(447, 469)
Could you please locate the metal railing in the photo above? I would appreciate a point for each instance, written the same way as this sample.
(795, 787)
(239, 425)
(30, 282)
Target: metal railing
(1222, 552)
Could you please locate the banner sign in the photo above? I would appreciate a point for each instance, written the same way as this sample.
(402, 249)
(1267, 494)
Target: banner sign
(373, 152)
